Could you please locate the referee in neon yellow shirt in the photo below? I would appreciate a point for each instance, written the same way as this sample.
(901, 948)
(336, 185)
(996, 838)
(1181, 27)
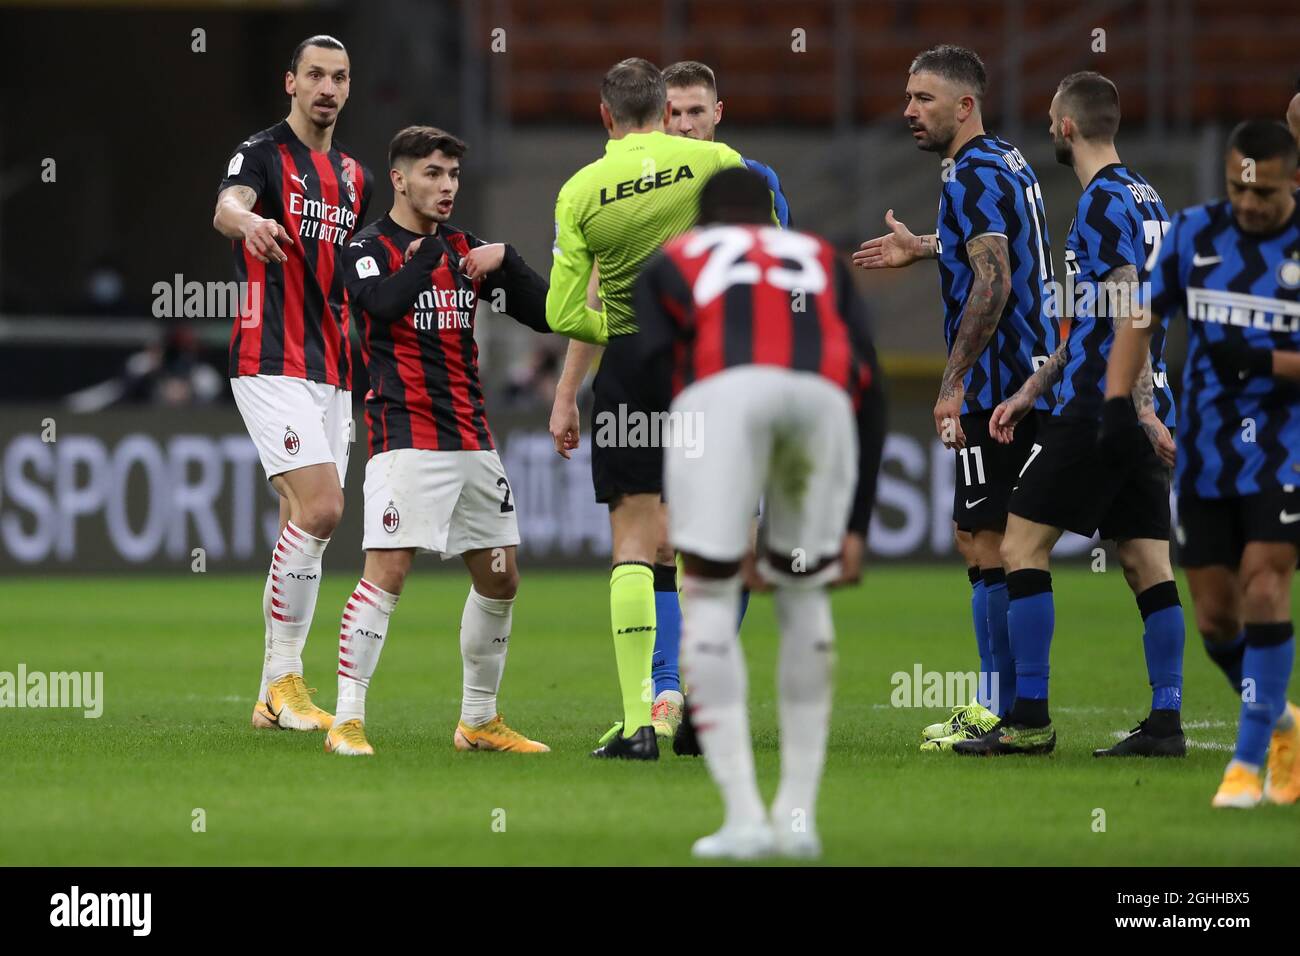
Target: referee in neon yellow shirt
(615, 213)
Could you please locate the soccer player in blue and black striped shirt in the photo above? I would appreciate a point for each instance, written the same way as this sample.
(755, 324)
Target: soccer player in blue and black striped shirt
(1233, 268)
(1064, 486)
(696, 112)
(992, 247)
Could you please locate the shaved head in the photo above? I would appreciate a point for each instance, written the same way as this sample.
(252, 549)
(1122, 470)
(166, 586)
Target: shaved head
(1293, 117)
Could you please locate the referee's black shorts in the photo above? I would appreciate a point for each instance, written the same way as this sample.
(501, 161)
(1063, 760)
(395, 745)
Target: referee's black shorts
(619, 467)
(1065, 485)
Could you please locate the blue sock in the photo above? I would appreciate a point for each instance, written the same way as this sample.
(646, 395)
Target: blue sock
(1004, 663)
(668, 630)
(1030, 618)
(1266, 669)
(979, 613)
(1162, 641)
(744, 606)
(1228, 656)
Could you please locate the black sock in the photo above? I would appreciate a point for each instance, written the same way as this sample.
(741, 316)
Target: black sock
(1164, 723)
(1029, 712)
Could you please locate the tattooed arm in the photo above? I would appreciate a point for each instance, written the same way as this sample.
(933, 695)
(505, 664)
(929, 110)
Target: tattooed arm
(1118, 289)
(990, 288)
(235, 219)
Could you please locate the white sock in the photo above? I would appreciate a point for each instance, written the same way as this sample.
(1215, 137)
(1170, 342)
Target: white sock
(807, 639)
(361, 640)
(712, 664)
(295, 576)
(484, 640)
(266, 649)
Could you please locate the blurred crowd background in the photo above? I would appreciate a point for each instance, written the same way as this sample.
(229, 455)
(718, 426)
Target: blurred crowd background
(120, 448)
(139, 122)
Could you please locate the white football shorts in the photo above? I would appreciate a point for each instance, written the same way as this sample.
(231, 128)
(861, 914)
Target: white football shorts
(762, 432)
(294, 422)
(447, 502)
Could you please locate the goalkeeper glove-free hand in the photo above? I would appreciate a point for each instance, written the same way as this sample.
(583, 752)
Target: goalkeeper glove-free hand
(1236, 363)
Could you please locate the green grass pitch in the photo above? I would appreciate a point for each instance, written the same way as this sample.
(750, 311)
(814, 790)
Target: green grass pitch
(180, 659)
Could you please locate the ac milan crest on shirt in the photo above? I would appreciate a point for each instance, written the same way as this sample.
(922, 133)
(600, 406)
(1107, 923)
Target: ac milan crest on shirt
(349, 178)
(291, 442)
(391, 518)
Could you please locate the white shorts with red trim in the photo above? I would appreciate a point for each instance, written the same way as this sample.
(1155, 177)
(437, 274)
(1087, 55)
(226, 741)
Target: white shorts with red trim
(762, 431)
(295, 422)
(447, 502)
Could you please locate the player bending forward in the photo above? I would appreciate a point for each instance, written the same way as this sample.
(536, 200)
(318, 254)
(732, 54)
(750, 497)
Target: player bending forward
(434, 481)
(777, 418)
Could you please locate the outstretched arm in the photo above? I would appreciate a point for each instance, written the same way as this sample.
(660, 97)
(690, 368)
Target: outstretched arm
(897, 248)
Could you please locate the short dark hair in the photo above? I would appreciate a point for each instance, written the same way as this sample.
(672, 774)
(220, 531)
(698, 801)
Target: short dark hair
(688, 73)
(1262, 140)
(417, 142)
(634, 91)
(736, 195)
(1092, 101)
(321, 40)
(955, 63)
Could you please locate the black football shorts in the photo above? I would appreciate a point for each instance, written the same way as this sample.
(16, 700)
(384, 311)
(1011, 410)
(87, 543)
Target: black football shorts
(1066, 484)
(1216, 530)
(987, 470)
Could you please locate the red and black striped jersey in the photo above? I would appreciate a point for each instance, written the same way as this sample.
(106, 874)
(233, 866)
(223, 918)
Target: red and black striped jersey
(294, 316)
(418, 332)
(732, 295)
(722, 296)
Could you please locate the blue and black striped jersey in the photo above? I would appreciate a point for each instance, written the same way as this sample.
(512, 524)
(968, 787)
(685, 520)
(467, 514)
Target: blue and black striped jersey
(1235, 437)
(990, 188)
(779, 203)
(1119, 222)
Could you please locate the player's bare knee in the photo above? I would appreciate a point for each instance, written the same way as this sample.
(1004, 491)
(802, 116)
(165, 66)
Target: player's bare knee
(499, 585)
(1019, 552)
(387, 569)
(1265, 594)
(965, 545)
(321, 514)
(1216, 622)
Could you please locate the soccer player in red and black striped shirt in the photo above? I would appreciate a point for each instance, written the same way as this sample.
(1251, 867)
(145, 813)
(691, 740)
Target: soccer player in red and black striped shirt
(290, 201)
(758, 339)
(434, 481)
